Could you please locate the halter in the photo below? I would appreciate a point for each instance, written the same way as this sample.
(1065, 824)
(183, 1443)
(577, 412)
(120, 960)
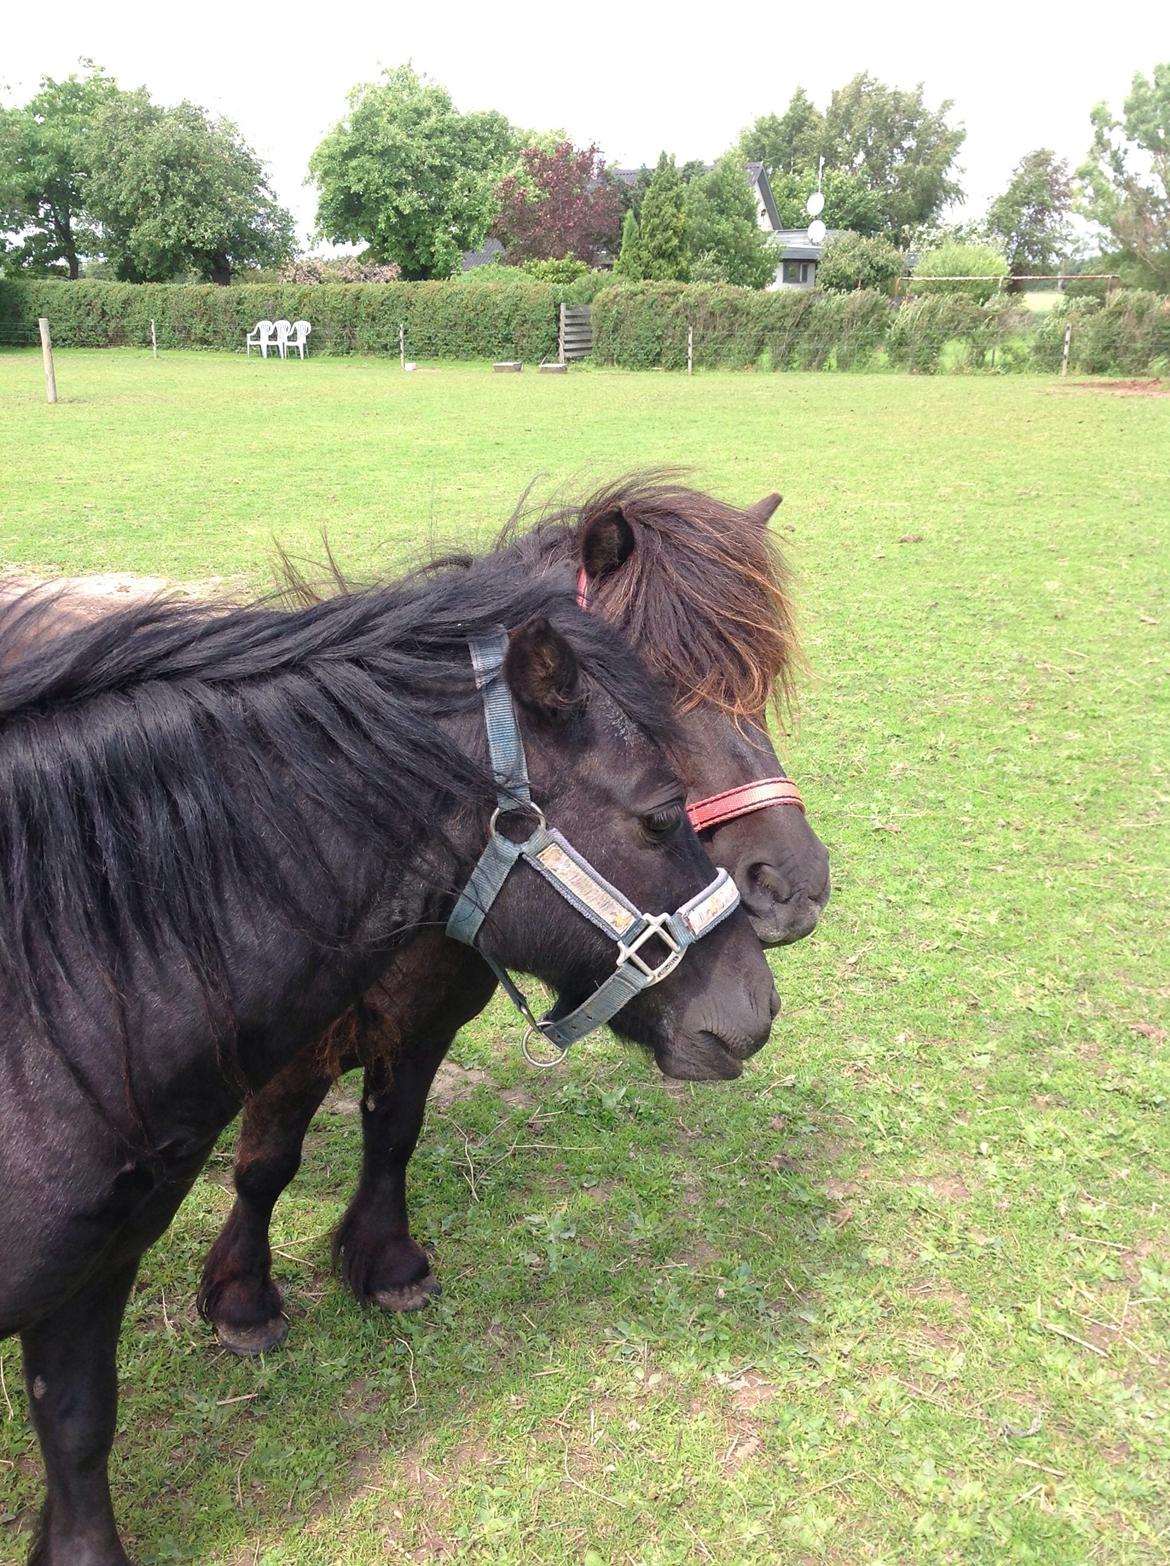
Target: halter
(718, 809)
(570, 874)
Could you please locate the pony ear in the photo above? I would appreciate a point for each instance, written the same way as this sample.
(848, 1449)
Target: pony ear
(607, 542)
(762, 511)
(542, 671)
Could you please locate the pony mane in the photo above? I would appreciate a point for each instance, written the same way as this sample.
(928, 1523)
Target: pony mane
(704, 598)
(167, 757)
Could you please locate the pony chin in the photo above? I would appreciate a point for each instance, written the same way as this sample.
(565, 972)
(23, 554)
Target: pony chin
(697, 1058)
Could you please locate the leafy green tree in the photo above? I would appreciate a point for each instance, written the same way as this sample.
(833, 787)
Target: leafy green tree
(1127, 177)
(44, 168)
(904, 151)
(662, 237)
(851, 261)
(175, 190)
(410, 176)
(983, 266)
(785, 143)
(629, 261)
(1031, 218)
(849, 202)
(721, 225)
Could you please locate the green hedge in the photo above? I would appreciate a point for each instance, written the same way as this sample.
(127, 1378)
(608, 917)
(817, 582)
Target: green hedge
(507, 319)
(644, 325)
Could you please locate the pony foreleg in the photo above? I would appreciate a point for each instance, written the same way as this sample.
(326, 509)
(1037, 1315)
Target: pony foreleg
(237, 1293)
(69, 1367)
(372, 1247)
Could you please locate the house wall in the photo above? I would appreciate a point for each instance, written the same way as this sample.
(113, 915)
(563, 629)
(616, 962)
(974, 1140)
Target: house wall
(810, 275)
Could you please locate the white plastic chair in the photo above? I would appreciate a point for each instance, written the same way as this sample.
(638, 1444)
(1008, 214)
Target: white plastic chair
(300, 336)
(283, 332)
(260, 337)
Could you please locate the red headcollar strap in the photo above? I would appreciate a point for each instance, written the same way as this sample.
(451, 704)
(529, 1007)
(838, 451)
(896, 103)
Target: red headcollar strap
(742, 801)
(582, 588)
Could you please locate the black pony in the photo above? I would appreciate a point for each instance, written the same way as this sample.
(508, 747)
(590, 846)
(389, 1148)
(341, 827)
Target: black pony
(699, 587)
(217, 829)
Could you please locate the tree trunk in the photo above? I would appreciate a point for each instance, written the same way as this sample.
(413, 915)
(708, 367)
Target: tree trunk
(221, 270)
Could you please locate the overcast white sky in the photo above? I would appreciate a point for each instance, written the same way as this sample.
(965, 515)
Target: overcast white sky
(635, 79)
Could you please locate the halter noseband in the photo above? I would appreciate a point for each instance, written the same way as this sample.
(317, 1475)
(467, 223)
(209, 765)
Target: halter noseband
(570, 874)
(718, 809)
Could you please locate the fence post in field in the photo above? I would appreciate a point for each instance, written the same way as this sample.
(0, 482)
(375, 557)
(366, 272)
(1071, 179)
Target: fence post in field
(690, 350)
(561, 335)
(47, 356)
(1067, 345)
(402, 344)
(153, 339)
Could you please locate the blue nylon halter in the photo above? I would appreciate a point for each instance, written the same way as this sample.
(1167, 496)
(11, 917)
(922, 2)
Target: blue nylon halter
(570, 874)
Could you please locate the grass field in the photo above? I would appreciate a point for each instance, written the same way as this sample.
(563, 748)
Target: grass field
(902, 1293)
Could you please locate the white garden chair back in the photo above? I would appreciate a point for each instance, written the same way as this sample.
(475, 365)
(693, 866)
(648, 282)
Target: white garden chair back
(260, 337)
(283, 331)
(300, 336)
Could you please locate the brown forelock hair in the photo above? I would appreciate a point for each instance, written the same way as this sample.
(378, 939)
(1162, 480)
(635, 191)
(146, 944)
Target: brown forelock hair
(704, 597)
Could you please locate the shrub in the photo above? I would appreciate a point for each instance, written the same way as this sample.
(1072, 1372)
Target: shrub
(1128, 335)
(981, 262)
(339, 269)
(563, 270)
(851, 261)
(923, 329)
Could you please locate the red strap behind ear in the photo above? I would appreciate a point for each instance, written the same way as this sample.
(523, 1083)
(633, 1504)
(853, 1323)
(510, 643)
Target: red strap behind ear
(742, 801)
(582, 588)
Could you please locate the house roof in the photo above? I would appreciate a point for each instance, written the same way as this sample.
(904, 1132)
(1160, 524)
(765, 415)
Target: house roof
(795, 245)
(492, 251)
(757, 176)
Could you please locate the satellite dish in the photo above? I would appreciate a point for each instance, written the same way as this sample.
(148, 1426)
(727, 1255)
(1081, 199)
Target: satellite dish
(816, 231)
(815, 204)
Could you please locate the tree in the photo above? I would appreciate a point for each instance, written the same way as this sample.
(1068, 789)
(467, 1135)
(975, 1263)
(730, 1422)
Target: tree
(983, 266)
(662, 230)
(175, 190)
(849, 202)
(721, 226)
(851, 261)
(562, 204)
(903, 151)
(787, 142)
(44, 167)
(629, 262)
(1030, 219)
(409, 175)
(1127, 177)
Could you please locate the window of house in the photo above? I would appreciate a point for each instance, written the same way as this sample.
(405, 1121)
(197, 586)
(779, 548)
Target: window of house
(792, 271)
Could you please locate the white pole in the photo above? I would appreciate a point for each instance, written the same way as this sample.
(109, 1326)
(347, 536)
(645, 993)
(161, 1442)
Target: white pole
(47, 356)
(153, 339)
(402, 344)
(690, 350)
(1067, 345)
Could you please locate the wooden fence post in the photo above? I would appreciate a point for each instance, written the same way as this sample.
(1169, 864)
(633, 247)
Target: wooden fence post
(1067, 345)
(561, 335)
(153, 339)
(690, 350)
(47, 356)
(402, 344)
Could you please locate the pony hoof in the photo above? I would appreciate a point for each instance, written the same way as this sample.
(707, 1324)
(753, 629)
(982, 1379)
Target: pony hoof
(408, 1296)
(247, 1342)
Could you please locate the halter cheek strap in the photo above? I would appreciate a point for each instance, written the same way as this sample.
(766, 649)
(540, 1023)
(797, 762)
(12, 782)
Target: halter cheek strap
(742, 801)
(573, 877)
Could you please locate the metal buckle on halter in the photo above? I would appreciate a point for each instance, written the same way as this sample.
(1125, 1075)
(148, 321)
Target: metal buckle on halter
(539, 1061)
(659, 925)
(508, 810)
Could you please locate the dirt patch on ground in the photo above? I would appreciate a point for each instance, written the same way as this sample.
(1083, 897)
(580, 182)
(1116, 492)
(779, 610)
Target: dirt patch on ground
(1135, 388)
(453, 1083)
(114, 589)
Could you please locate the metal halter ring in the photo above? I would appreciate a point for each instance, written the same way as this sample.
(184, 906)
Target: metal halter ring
(537, 1060)
(508, 810)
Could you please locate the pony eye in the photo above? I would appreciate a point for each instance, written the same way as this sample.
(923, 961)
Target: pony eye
(663, 823)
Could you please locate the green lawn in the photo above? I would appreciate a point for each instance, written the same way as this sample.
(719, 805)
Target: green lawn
(902, 1293)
